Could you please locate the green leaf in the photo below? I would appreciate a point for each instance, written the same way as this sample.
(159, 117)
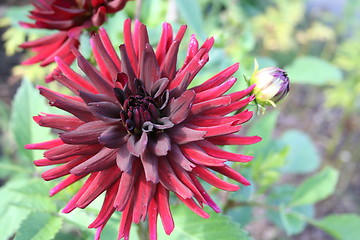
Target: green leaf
(291, 219)
(303, 157)
(39, 226)
(11, 220)
(191, 13)
(26, 104)
(189, 226)
(340, 226)
(316, 188)
(312, 70)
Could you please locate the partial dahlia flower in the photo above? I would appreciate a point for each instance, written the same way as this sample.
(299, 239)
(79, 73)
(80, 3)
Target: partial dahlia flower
(138, 133)
(70, 18)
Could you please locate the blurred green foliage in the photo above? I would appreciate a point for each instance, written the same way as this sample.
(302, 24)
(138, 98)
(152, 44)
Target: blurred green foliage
(318, 49)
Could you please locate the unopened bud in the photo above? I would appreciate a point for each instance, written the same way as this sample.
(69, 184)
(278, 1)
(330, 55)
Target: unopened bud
(271, 85)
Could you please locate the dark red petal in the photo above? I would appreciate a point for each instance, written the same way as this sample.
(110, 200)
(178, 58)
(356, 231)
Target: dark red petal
(219, 130)
(114, 137)
(107, 208)
(217, 79)
(62, 170)
(99, 17)
(152, 219)
(162, 200)
(71, 205)
(206, 121)
(181, 134)
(66, 150)
(231, 173)
(87, 133)
(233, 139)
(197, 155)
(125, 160)
(100, 161)
(178, 157)
(137, 147)
(103, 180)
(205, 195)
(215, 91)
(164, 43)
(161, 144)
(209, 105)
(45, 145)
(65, 183)
(190, 203)
(149, 68)
(159, 87)
(179, 108)
(105, 111)
(130, 44)
(216, 151)
(150, 164)
(170, 181)
(126, 186)
(223, 110)
(211, 178)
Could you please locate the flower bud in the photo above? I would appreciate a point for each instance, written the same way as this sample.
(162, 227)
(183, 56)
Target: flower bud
(271, 85)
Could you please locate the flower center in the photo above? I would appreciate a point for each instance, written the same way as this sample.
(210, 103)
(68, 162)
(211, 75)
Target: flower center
(138, 110)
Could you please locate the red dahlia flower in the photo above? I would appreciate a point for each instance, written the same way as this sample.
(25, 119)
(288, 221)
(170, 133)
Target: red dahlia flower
(137, 132)
(70, 18)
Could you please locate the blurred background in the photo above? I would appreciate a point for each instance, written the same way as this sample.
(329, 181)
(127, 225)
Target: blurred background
(305, 181)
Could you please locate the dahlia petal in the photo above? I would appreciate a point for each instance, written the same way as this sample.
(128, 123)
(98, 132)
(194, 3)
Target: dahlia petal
(220, 102)
(99, 17)
(87, 133)
(223, 110)
(164, 43)
(152, 219)
(217, 152)
(190, 203)
(143, 40)
(159, 87)
(150, 164)
(126, 187)
(181, 134)
(217, 79)
(65, 183)
(197, 155)
(231, 173)
(107, 208)
(149, 68)
(46, 162)
(74, 76)
(73, 86)
(45, 145)
(125, 223)
(180, 107)
(185, 178)
(68, 12)
(233, 139)
(109, 47)
(162, 201)
(161, 144)
(168, 66)
(163, 123)
(103, 180)
(66, 150)
(71, 205)
(114, 137)
(125, 160)
(206, 121)
(46, 40)
(115, 5)
(99, 82)
(178, 157)
(181, 88)
(127, 68)
(193, 48)
(170, 181)
(211, 178)
(241, 94)
(128, 40)
(215, 91)
(62, 170)
(91, 97)
(52, 96)
(219, 130)
(204, 194)
(51, 24)
(100, 161)
(105, 111)
(136, 148)
(77, 109)
(144, 193)
(103, 57)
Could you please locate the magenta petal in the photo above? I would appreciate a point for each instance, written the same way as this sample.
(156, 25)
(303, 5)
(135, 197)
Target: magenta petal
(181, 134)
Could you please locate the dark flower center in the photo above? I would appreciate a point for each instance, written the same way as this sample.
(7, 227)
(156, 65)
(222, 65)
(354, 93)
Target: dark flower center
(138, 110)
